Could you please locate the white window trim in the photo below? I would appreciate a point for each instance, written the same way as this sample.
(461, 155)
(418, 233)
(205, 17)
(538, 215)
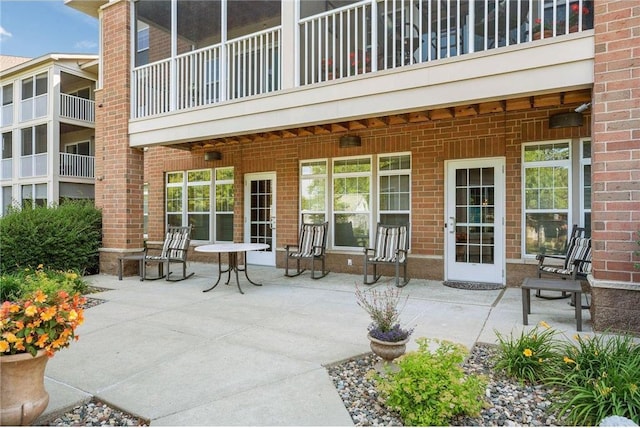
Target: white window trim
(324, 176)
(535, 164)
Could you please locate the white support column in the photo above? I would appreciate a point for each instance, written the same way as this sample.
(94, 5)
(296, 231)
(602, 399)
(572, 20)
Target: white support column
(289, 43)
(53, 137)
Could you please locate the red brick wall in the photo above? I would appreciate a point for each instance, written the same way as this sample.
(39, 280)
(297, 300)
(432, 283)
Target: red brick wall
(616, 141)
(119, 168)
(431, 143)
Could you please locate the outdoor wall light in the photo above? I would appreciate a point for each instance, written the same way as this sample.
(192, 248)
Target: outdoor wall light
(211, 156)
(565, 120)
(350, 141)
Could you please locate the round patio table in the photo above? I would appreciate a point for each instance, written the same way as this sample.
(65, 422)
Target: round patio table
(232, 250)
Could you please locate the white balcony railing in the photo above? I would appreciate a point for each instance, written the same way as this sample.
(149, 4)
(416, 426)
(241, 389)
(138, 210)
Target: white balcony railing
(77, 166)
(242, 67)
(364, 37)
(72, 107)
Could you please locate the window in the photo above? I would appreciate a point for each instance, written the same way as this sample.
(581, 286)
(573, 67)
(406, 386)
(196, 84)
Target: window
(145, 210)
(547, 171)
(313, 191)
(84, 93)
(585, 185)
(34, 97)
(80, 148)
(34, 140)
(189, 202)
(142, 43)
(352, 201)
(7, 105)
(7, 94)
(7, 145)
(394, 188)
(34, 195)
(224, 204)
(360, 195)
(7, 200)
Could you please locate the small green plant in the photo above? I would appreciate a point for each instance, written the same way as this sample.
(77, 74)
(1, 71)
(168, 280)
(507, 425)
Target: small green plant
(600, 377)
(430, 387)
(16, 285)
(530, 356)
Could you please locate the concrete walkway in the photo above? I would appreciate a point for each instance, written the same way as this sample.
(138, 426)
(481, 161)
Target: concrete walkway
(173, 355)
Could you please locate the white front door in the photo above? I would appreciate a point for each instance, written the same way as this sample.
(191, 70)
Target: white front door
(260, 216)
(474, 215)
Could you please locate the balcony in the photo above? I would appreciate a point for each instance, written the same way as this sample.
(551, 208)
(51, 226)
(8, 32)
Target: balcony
(77, 108)
(363, 50)
(77, 166)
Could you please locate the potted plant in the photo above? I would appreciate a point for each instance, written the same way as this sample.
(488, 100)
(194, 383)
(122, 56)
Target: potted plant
(36, 320)
(387, 338)
(561, 26)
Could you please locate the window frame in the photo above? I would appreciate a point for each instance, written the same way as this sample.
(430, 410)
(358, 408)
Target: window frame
(185, 212)
(375, 174)
(583, 162)
(564, 163)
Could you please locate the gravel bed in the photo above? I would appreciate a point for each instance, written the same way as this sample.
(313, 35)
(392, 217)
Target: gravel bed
(509, 403)
(96, 414)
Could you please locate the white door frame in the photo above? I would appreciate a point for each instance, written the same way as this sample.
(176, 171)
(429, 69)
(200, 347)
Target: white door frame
(266, 257)
(455, 270)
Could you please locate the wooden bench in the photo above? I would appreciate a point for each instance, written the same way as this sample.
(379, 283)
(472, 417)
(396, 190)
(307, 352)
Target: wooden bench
(567, 285)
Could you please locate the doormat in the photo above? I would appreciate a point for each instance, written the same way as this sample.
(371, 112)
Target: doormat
(464, 285)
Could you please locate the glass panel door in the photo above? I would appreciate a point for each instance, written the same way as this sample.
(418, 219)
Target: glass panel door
(260, 216)
(475, 235)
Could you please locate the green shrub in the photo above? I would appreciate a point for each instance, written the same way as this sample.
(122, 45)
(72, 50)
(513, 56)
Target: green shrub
(17, 285)
(600, 377)
(430, 387)
(63, 237)
(529, 357)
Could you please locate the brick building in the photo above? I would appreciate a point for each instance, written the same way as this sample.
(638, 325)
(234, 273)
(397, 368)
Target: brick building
(491, 127)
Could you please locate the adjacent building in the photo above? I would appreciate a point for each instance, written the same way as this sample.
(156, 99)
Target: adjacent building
(491, 127)
(47, 123)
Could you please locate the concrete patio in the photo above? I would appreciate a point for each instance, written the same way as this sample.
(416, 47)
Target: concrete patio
(173, 355)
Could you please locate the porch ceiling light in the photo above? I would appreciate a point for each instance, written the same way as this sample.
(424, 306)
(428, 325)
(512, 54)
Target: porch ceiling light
(350, 141)
(211, 156)
(565, 120)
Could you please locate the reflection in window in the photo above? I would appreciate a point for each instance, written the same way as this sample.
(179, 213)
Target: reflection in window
(547, 169)
(351, 201)
(313, 191)
(394, 191)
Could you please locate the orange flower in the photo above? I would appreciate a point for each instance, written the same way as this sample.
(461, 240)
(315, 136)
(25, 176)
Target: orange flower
(42, 340)
(48, 313)
(40, 297)
(31, 310)
(4, 346)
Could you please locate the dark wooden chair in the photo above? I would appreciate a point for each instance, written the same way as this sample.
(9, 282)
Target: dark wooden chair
(312, 245)
(391, 248)
(576, 263)
(174, 250)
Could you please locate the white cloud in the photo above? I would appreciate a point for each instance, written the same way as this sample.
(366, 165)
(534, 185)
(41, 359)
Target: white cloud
(4, 34)
(86, 44)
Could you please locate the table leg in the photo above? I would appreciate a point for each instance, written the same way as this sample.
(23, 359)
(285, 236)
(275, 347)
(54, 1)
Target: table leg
(247, 275)
(525, 306)
(220, 272)
(578, 299)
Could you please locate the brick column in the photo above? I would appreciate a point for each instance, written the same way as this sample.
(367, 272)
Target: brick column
(616, 167)
(119, 168)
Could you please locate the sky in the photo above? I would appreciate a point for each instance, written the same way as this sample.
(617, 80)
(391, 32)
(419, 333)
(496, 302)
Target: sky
(31, 29)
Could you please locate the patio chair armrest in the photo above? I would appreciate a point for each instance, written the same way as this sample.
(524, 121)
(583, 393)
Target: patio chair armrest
(322, 249)
(366, 251)
(540, 258)
(289, 247)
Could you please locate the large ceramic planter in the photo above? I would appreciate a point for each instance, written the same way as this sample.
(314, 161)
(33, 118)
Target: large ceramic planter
(23, 397)
(388, 351)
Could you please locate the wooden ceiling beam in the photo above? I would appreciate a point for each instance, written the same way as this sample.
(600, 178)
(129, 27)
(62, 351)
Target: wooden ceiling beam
(356, 124)
(419, 116)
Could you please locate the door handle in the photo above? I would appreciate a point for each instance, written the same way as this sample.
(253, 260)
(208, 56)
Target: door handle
(451, 225)
(272, 224)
